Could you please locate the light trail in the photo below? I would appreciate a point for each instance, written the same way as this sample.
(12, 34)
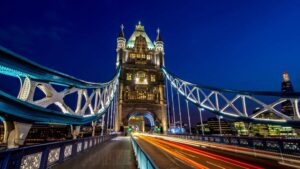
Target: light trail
(247, 151)
(211, 155)
(168, 146)
(179, 156)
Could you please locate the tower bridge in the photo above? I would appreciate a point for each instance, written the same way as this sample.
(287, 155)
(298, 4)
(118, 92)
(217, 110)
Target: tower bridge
(142, 92)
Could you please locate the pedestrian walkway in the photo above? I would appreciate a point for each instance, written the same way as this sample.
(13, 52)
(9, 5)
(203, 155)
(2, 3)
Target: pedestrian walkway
(115, 153)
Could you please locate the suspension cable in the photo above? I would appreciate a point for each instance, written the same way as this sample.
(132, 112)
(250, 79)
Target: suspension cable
(114, 119)
(111, 114)
(201, 120)
(168, 110)
(189, 118)
(108, 114)
(173, 106)
(102, 125)
(179, 109)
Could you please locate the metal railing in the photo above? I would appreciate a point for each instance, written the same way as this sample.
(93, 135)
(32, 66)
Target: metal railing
(47, 155)
(286, 146)
(143, 160)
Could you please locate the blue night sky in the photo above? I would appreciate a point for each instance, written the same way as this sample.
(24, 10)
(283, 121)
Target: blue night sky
(232, 44)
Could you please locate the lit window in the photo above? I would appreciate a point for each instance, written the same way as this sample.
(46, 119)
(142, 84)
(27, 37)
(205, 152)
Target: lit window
(128, 76)
(148, 57)
(141, 78)
(143, 56)
(132, 55)
(153, 78)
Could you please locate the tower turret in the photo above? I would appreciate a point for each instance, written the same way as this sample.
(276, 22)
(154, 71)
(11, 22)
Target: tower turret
(121, 41)
(159, 44)
(159, 49)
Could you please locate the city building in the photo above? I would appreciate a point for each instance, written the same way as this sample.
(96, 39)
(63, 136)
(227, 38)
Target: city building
(141, 82)
(213, 126)
(287, 87)
(241, 128)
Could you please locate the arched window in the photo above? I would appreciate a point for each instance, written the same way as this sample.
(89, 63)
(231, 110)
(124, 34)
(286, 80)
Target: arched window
(141, 78)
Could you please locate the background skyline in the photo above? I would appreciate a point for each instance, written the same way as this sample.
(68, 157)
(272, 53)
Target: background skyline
(236, 45)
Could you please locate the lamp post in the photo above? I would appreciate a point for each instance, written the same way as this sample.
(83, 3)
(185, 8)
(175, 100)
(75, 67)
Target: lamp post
(201, 120)
(220, 128)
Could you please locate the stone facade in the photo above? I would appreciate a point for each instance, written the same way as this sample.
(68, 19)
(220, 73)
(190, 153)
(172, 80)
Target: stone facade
(142, 88)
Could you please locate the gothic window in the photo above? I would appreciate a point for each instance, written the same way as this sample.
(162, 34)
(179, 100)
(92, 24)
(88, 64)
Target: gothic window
(132, 55)
(150, 96)
(128, 76)
(153, 79)
(141, 78)
(148, 57)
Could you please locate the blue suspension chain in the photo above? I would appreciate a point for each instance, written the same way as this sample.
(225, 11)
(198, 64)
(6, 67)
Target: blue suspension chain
(189, 118)
(168, 110)
(179, 109)
(173, 106)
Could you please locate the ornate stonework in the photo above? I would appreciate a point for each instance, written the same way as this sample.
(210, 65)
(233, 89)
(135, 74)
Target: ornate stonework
(141, 88)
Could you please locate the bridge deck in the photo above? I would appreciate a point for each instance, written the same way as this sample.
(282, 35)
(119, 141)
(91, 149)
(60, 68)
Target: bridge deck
(116, 153)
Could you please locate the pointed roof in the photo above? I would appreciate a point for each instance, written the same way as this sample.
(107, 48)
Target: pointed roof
(121, 34)
(158, 38)
(139, 30)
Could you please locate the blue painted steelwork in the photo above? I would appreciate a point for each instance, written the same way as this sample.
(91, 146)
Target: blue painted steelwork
(12, 64)
(242, 92)
(196, 94)
(144, 161)
(18, 109)
(16, 158)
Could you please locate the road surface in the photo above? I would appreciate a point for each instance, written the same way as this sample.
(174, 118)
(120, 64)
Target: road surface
(168, 154)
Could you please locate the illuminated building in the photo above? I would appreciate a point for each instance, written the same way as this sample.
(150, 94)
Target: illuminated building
(287, 87)
(212, 126)
(141, 88)
(241, 128)
(268, 130)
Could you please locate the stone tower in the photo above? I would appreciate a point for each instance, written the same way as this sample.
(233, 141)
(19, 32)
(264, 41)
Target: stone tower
(141, 89)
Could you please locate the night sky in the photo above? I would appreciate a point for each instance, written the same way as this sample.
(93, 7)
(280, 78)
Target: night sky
(238, 44)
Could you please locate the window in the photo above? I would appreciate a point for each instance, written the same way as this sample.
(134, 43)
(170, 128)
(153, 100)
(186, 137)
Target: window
(141, 78)
(143, 56)
(153, 79)
(128, 76)
(132, 55)
(148, 57)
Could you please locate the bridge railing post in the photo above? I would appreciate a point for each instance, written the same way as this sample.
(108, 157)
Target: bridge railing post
(17, 136)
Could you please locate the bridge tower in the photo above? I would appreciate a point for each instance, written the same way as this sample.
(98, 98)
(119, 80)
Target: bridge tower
(142, 88)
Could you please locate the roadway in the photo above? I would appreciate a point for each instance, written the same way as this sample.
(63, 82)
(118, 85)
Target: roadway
(173, 155)
(115, 153)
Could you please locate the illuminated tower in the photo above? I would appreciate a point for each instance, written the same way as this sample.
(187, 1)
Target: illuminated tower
(287, 87)
(141, 89)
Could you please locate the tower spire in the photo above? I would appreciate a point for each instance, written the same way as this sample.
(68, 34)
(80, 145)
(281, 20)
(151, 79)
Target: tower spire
(158, 38)
(121, 34)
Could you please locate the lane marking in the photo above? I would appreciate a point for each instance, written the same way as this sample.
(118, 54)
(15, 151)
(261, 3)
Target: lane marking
(215, 165)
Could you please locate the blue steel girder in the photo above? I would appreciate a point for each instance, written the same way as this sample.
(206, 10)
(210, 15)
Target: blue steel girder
(13, 64)
(238, 105)
(36, 77)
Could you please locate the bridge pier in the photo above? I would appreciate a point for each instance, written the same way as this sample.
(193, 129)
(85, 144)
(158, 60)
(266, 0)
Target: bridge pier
(75, 130)
(16, 133)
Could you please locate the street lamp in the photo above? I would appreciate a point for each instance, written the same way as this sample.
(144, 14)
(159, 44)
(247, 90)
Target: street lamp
(220, 128)
(201, 120)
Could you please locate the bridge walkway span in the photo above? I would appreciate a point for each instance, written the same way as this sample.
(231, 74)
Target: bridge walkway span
(116, 153)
